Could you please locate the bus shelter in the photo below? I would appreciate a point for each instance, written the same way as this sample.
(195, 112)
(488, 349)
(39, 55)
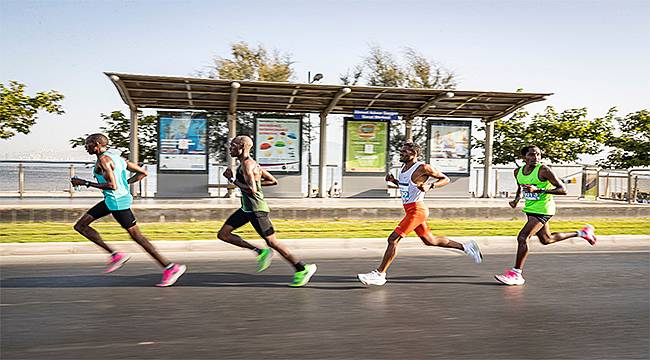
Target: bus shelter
(202, 94)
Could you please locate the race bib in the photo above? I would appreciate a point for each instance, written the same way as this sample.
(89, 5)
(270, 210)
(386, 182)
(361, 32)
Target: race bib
(404, 191)
(529, 195)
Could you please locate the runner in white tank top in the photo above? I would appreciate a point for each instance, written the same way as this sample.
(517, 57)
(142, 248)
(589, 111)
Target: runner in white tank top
(415, 179)
(409, 190)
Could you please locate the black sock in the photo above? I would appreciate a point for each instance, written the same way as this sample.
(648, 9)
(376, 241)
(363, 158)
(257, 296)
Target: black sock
(300, 266)
(258, 250)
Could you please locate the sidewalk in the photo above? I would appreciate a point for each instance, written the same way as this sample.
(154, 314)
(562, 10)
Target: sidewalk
(358, 247)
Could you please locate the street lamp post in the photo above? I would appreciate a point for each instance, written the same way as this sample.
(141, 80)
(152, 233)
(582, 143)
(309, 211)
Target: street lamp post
(317, 77)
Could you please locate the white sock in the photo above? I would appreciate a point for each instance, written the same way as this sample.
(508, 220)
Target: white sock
(518, 271)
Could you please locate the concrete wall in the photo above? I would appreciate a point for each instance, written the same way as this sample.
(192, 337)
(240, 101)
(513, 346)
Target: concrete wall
(153, 214)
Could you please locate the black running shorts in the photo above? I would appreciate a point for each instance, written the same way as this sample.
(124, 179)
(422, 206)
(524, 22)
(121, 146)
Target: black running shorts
(259, 219)
(540, 217)
(124, 217)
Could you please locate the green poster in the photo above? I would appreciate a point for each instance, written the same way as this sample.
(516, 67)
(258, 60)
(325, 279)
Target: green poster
(365, 148)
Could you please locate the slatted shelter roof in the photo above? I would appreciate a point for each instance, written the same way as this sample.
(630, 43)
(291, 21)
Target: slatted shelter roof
(188, 93)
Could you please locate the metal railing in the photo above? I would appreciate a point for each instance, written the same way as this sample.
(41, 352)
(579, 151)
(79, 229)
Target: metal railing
(51, 179)
(631, 185)
(41, 177)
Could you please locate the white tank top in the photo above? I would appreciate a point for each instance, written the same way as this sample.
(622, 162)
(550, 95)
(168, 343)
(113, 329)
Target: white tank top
(409, 191)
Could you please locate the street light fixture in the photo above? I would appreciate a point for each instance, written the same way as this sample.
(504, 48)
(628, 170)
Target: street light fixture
(317, 77)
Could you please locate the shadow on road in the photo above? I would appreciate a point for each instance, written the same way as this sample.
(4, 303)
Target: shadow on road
(215, 279)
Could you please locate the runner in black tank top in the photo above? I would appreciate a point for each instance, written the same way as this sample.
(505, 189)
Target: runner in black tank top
(249, 179)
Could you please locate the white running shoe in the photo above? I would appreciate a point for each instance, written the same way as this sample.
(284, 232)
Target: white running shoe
(510, 277)
(472, 250)
(373, 278)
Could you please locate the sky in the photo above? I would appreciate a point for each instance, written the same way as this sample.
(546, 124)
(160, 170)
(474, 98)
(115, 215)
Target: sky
(592, 54)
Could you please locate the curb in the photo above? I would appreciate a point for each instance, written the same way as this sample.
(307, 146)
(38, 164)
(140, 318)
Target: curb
(488, 244)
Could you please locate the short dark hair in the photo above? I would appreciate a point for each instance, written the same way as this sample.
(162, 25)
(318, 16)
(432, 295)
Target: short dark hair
(413, 146)
(524, 150)
(100, 139)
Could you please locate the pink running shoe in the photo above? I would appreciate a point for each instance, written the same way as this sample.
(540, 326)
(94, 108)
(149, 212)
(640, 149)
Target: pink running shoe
(171, 275)
(117, 260)
(588, 233)
(510, 277)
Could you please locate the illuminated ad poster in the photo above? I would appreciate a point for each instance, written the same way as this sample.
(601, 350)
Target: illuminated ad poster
(182, 141)
(278, 143)
(449, 145)
(366, 146)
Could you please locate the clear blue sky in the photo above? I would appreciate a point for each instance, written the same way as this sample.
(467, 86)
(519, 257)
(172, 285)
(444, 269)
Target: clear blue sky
(589, 53)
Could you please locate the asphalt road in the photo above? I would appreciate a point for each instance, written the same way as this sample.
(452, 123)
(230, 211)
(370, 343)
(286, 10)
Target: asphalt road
(588, 306)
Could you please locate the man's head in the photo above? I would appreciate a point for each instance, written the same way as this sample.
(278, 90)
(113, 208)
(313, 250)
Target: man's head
(240, 144)
(96, 143)
(409, 152)
(531, 154)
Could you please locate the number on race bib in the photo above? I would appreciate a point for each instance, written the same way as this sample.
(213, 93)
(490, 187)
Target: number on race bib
(531, 196)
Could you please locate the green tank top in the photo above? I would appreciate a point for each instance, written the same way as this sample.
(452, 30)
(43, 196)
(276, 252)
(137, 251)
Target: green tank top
(252, 203)
(536, 203)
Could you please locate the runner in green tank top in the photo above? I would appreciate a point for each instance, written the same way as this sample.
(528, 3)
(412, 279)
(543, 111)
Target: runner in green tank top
(111, 172)
(249, 179)
(538, 183)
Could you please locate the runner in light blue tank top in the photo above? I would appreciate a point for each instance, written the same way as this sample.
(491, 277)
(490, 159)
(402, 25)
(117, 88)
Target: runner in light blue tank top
(112, 179)
(120, 198)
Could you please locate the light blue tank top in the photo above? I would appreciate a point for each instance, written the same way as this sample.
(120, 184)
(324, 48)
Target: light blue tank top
(119, 199)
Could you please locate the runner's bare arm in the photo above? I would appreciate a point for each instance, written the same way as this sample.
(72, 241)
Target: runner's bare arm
(140, 173)
(268, 179)
(429, 171)
(513, 203)
(106, 165)
(548, 174)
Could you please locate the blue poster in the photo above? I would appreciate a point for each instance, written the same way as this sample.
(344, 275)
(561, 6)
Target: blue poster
(183, 141)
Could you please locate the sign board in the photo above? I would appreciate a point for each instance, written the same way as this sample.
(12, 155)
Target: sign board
(375, 115)
(278, 143)
(182, 142)
(449, 145)
(366, 146)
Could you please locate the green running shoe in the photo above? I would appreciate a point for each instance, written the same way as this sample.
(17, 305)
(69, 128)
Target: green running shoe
(264, 260)
(301, 278)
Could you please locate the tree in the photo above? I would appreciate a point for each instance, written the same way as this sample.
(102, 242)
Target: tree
(18, 111)
(117, 130)
(632, 146)
(380, 68)
(562, 137)
(246, 63)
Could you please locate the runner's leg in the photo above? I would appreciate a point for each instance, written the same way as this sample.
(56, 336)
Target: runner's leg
(391, 251)
(137, 236)
(235, 221)
(533, 225)
(82, 226)
(546, 237)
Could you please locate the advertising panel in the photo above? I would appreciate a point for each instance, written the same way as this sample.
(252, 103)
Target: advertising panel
(278, 145)
(366, 146)
(182, 142)
(449, 146)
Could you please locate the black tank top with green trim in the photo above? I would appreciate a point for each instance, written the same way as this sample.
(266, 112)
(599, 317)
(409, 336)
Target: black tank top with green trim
(252, 203)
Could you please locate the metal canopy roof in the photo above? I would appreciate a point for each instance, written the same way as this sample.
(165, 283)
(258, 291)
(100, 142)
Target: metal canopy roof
(187, 93)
